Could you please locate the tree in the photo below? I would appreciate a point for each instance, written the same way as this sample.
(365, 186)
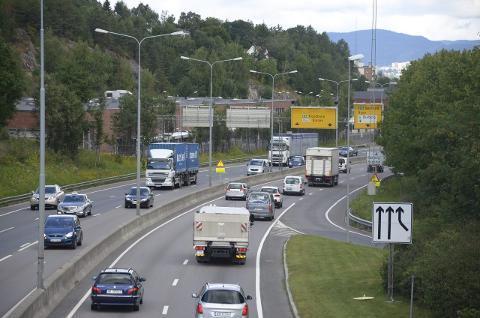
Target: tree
(64, 119)
(11, 84)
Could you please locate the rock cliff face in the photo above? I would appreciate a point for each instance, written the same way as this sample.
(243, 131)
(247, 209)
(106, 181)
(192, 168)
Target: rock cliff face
(26, 50)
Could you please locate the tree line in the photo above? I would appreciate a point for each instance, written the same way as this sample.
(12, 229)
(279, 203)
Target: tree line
(81, 64)
(431, 133)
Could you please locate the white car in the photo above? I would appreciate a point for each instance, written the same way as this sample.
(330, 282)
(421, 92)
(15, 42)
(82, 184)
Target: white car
(342, 165)
(236, 190)
(257, 166)
(275, 191)
(53, 195)
(293, 185)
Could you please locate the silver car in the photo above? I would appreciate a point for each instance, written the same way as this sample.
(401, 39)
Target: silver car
(257, 166)
(236, 190)
(53, 195)
(75, 203)
(261, 205)
(275, 191)
(221, 300)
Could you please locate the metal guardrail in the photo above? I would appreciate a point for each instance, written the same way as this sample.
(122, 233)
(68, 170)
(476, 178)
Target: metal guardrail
(358, 220)
(92, 183)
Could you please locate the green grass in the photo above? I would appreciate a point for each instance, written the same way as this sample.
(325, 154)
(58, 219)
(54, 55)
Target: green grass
(325, 275)
(393, 189)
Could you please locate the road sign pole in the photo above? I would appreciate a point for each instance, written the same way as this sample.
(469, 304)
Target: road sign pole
(390, 273)
(411, 296)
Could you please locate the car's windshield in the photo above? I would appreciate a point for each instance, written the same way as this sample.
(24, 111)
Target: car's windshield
(143, 192)
(299, 160)
(59, 222)
(292, 181)
(234, 186)
(256, 162)
(114, 279)
(269, 190)
(258, 197)
(223, 297)
(74, 198)
(48, 190)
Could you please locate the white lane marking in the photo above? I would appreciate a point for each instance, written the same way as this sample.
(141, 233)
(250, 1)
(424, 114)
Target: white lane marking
(87, 294)
(118, 207)
(185, 262)
(96, 214)
(157, 195)
(283, 225)
(5, 230)
(165, 310)
(120, 186)
(36, 219)
(24, 244)
(4, 258)
(21, 209)
(310, 193)
(27, 246)
(257, 264)
(333, 205)
(175, 282)
(341, 182)
(300, 199)
(18, 304)
(363, 175)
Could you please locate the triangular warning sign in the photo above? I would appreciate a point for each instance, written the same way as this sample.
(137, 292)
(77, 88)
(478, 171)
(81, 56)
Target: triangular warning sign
(374, 178)
(220, 163)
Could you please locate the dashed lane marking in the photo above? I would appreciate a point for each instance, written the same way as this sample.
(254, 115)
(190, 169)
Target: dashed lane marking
(185, 262)
(14, 211)
(5, 230)
(27, 246)
(118, 207)
(165, 310)
(4, 258)
(175, 282)
(96, 214)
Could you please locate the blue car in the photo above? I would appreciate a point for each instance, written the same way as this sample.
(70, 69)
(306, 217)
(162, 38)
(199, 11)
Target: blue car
(117, 287)
(296, 161)
(63, 230)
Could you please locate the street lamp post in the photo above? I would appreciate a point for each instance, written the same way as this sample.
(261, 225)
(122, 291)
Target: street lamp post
(350, 59)
(139, 42)
(210, 119)
(271, 110)
(338, 102)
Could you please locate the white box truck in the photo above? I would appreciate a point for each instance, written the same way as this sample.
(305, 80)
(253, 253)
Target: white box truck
(321, 166)
(221, 232)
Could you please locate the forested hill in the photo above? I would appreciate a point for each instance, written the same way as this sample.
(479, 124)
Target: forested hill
(87, 63)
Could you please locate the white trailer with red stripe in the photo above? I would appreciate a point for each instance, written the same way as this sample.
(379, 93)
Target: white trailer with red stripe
(221, 232)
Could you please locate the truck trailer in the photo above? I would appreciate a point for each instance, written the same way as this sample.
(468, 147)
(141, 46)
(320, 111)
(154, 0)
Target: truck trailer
(221, 232)
(171, 164)
(287, 145)
(321, 166)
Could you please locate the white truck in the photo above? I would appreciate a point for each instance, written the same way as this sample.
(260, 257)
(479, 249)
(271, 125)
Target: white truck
(375, 159)
(287, 145)
(321, 166)
(221, 232)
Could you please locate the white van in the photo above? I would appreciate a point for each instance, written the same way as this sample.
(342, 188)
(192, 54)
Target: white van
(257, 166)
(342, 165)
(293, 184)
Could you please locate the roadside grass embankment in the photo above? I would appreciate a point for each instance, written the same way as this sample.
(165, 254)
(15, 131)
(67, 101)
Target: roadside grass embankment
(326, 275)
(19, 166)
(393, 189)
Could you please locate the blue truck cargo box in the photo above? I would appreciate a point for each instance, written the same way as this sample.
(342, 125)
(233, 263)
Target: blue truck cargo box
(180, 151)
(192, 158)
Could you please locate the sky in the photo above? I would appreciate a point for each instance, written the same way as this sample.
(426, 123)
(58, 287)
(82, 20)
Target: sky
(434, 19)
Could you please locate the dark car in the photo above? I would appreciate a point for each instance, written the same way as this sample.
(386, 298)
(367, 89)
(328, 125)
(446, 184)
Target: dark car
(75, 203)
(261, 205)
(117, 287)
(221, 300)
(296, 161)
(146, 198)
(345, 150)
(63, 230)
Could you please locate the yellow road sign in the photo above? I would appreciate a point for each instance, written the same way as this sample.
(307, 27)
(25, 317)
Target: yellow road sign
(314, 117)
(220, 167)
(376, 180)
(367, 115)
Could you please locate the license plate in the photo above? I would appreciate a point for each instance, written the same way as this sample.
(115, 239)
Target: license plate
(55, 240)
(289, 188)
(221, 314)
(114, 291)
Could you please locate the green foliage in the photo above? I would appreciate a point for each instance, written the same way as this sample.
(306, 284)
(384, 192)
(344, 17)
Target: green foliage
(431, 133)
(11, 83)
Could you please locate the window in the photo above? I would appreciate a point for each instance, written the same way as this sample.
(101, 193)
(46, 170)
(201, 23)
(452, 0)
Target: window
(115, 279)
(223, 297)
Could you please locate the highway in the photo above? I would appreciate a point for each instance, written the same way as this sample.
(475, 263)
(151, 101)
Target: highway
(19, 231)
(165, 256)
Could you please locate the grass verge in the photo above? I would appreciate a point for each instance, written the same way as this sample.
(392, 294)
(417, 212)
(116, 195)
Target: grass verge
(393, 189)
(325, 275)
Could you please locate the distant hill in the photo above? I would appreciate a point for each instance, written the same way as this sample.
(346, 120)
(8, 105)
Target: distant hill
(396, 47)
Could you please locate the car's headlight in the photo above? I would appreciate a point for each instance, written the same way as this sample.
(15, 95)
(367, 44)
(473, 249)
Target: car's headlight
(148, 179)
(69, 235)
(168, 179)
(44, 236)
(128, 198)
(144, 199)
(35, 198)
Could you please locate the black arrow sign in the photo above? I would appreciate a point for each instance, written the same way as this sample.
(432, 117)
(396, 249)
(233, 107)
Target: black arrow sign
(400, 211)
(390, 211)
(330, 124)
(379, 211)
(296, 124)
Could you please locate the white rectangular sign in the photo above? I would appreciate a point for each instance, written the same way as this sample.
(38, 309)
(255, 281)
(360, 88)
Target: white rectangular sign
(392, 222)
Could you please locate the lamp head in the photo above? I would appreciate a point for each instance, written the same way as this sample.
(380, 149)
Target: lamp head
(237, 58)
(101, 30)
(181, 32)
(184, 57)
(355, 57)
(293, 72)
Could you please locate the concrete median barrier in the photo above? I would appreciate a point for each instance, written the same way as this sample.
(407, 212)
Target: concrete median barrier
(40, 303)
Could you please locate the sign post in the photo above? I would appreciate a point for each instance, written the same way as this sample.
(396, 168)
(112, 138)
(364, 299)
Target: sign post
(392, 223)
